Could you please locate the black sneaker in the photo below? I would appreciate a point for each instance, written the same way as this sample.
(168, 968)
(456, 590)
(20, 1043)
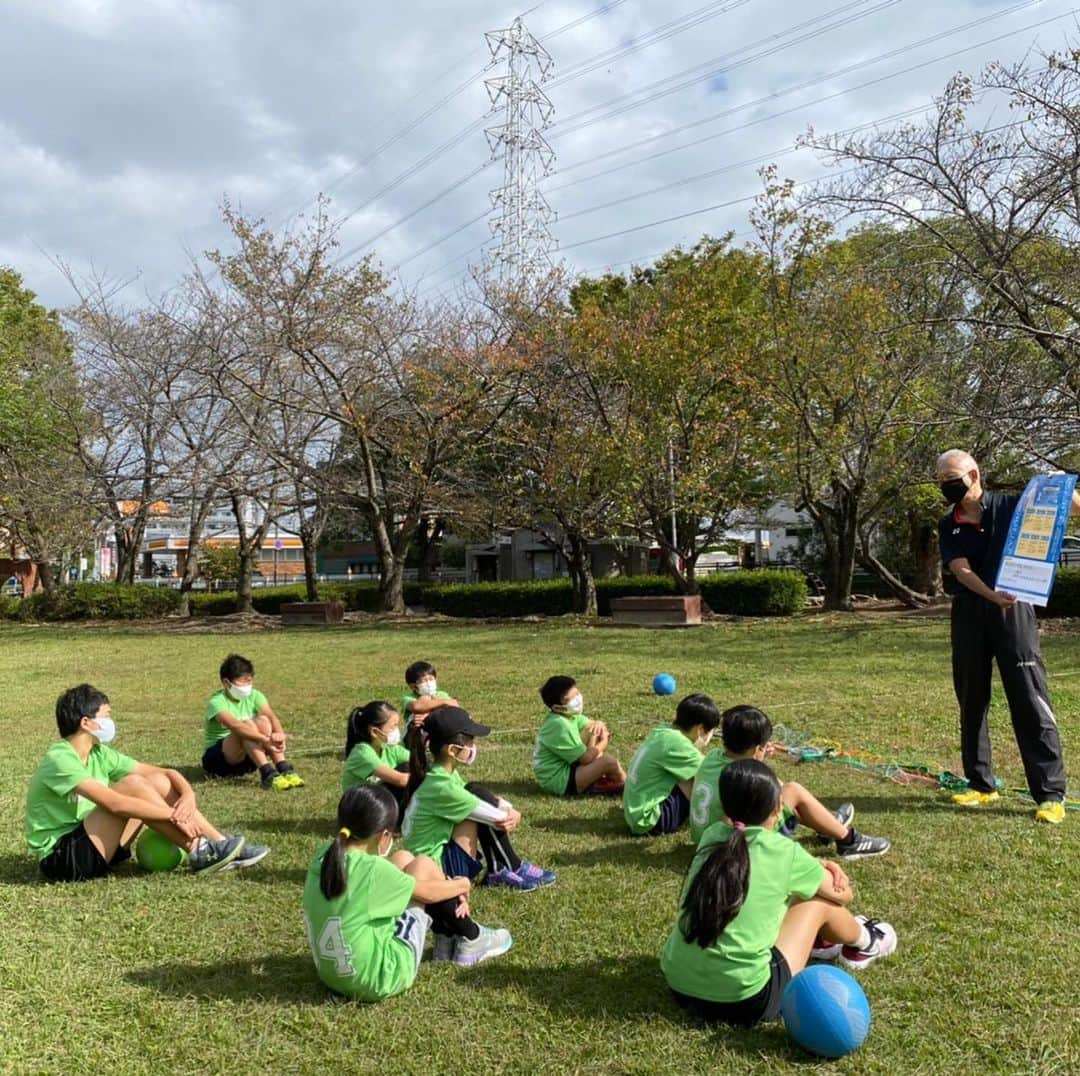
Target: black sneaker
(859, 846)
(209, 856)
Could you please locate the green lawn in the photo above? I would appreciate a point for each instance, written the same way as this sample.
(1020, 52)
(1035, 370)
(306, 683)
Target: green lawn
(167, 973)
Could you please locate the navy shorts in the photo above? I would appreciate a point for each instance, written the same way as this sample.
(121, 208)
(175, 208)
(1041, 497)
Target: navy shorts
(75, 858)
(674, 812)
(571, 781)
(457, 863)
(215, 764)
(756, 1009)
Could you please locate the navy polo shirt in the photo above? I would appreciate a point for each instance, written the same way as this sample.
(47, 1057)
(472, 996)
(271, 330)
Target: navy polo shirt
(982, 544)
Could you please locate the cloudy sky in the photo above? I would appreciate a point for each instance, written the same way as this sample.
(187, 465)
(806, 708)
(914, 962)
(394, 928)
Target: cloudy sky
(124, 123)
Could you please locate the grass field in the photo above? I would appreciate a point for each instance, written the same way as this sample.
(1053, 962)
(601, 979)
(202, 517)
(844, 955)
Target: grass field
(168, 973)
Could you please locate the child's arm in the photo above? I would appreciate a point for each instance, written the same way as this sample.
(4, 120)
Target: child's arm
(391, 776)
(277, 733)
(433, 890)
(246, 730)
(423, 706)
(184, 802)
(835, 886)
(130, 807)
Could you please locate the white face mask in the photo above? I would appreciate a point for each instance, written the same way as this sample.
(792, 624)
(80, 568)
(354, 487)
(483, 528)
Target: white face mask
(105, 731)
(576, 705)
(393, 738)
(389, 844)
(426, 688)
(241, 691)
(703, 742)
(469, 759)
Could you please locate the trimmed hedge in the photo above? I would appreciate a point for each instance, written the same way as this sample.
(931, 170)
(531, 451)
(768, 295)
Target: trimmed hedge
(96, 601)
(544, 597)
(762, 592)
(1065, 597)
(631, 586)
(357, 597)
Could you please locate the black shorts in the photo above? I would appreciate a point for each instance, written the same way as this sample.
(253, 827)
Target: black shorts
(75, 858)
(215, 764)
(571, 781)
(674, 812)
(756, 1009)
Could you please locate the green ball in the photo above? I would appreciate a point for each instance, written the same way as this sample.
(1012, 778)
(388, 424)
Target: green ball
(157, 853)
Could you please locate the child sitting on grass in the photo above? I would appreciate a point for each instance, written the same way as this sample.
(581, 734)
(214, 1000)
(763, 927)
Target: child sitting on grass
(87, 802)
(367, 912)
(756, 908)
(660, 777)
(242, 733)
(570, 756)
(746, 733)
(423, 696)
(452, 821)
(374, 751)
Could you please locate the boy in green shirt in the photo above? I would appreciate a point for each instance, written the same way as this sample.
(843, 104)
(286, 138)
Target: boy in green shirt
(423, 695)
(660, 777)
(571, 751)
(746, 732)
(241, 733)
(87, 802)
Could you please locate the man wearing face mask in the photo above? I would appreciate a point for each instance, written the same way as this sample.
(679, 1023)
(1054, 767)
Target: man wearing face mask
(988, 625)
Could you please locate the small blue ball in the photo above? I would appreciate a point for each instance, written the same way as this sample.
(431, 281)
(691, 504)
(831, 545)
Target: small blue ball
(663, 684)
(825, 1011)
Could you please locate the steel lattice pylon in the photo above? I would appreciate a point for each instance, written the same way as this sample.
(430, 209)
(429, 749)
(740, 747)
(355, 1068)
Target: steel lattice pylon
(522, 214)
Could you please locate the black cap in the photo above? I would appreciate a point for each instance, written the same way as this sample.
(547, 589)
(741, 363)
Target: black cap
(447, 722)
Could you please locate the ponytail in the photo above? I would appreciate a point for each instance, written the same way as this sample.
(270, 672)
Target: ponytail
(717, 892)
(416, 739)
(750, 795)
(363, 811)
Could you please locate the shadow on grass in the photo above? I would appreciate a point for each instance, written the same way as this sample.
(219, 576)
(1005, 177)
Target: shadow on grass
(609, 825)
(274, 977)
(512, 790)
(633, 854)
(20, 870)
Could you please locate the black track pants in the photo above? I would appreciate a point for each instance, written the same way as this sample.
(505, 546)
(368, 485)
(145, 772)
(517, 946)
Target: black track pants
(981, 634)
(494, 843)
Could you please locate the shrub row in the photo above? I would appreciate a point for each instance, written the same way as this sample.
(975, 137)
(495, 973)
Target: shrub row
(1065, 597)
(757, 593)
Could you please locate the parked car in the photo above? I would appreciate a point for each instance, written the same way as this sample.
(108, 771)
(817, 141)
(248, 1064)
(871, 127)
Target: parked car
(1070, 551)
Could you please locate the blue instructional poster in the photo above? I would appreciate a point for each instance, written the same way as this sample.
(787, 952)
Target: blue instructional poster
(1033, 547)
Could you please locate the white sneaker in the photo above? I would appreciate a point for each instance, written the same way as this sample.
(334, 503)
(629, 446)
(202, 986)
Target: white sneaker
(488, 943)
(882, 943)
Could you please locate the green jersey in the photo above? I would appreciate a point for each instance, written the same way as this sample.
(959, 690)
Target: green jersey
(352, 938)
(659, 764)
(558, 746)
(222, 702)
(705, 809)
(736, 965)
(363, 758)
(53, 807)
(411, 697)
(439, 804)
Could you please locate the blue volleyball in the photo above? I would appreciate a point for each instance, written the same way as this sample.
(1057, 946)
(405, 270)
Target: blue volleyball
(825, 1011)
(663, 684)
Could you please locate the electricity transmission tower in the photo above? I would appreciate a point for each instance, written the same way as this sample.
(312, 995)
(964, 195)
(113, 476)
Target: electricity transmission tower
(521, 212)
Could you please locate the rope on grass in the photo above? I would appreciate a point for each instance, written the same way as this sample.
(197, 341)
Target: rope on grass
(902, 770)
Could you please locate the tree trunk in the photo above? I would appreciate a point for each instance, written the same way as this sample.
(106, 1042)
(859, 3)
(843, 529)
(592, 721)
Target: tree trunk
(429, 535)
(311, 580)
(927, 556)
(581, 576)
(47, 577)
(911, 598)
(838, 526)
(391, 598)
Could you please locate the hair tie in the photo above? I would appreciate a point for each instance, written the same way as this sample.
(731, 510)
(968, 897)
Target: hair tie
(345, 832)
(740, 826)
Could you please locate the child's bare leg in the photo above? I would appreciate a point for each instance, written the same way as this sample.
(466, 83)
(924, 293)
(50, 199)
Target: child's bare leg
(275, 754)
(468, 836)
(807, 919)
(687, 787)
(585, 776)
(811, 812)
(236, 749)
(402, 859)
(424, 867)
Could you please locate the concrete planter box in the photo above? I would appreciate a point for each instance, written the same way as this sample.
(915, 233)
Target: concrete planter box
(297, 613)
(661, 612)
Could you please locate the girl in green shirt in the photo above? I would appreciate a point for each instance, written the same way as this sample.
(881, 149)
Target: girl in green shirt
(374, 751)
(756, 907)
(367, 912)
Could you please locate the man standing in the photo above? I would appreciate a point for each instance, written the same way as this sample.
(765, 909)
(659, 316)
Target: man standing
(987, 626)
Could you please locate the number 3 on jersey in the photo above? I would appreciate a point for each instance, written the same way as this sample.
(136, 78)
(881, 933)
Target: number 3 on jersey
(331, 946)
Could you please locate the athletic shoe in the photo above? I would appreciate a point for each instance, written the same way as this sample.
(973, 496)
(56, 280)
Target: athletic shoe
(209, 856)
(858, 845)
(822, 949)
(294, 779)
(845, 815)
(789, 825)
(1052, 811)
(882, 943)
(539, 875)
(487, 944)
(511, 880)
(248, 856)
(443, 952)
(607, 786)
(279, 782)
(973, 798)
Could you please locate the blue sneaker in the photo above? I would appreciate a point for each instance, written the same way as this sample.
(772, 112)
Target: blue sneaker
(509, 879)
(539, 875)
(248, 856)
(209, 857)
